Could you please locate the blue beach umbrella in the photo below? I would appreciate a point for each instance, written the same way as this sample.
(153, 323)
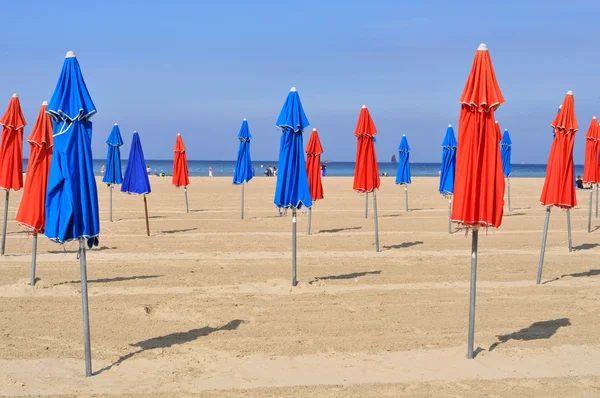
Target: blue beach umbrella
(292, 181)
(505, 152)
(136, 180)
(403, 174)
(72, 197)
(112, 172)
(243, 165)
(448, 170)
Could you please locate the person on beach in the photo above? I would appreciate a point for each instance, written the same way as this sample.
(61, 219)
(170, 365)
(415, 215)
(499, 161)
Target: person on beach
(102, 170)
(323, 169)
(210, 172)
(148, 169)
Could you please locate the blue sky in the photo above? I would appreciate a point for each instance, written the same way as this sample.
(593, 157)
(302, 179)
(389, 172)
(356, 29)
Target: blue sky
(199, 67)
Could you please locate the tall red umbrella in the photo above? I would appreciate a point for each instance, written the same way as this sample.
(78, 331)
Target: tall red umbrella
(559, 187)
(479, 185)
(180, 169)
(366, 171)
(32, 211)
(313, 170)
(591, 166)
(11, 154)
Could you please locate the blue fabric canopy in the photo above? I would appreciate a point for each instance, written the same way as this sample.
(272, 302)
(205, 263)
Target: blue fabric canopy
(72, 196)
(112, 172)
(403, 174)
(448, 162)
(243, 164)
(136, 177)
(292, 181)
(506, 151)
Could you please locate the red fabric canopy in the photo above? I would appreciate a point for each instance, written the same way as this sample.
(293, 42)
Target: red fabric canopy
(180, 166)
(591, 166)
(313, 165)
(366, 172)
(11, 148)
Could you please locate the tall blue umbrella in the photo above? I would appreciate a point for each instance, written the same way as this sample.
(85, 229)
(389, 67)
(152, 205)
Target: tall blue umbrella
(292, 181)
(136, 180)
(403, 174)
(506, 151)
(72, 197)
(448, 171)
(112, 171)
(243, 165)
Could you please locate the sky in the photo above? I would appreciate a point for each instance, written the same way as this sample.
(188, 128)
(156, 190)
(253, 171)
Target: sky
(199, 67)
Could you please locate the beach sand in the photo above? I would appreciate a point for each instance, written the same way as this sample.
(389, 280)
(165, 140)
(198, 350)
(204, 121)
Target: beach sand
(204, 306)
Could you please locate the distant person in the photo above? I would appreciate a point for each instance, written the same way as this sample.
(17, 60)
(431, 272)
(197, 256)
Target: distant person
(253, 172)
(102, 169)
(210, 174)
(274, 171)
(579, 183)
(323, 169)
(148, 169)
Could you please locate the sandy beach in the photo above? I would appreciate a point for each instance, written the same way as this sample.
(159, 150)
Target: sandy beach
(204, 306)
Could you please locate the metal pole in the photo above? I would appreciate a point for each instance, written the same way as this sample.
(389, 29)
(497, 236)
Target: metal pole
(590, 213)
(33, 258)
(146, 210)
(5, 220)
(596, 200)
(110, 204)
(544, 235)
(569, 229)
(309, 218)
(366, 204)
(243, 200)
(406, 196)
(294, 281)
(450, 215)
(375, 218)
(187, 206)
(86, 312)
(475, 234)
(508, 188)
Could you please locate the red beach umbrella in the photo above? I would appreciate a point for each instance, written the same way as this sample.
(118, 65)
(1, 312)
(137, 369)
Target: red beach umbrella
(180, 169)
(591, 166)
(313, 170)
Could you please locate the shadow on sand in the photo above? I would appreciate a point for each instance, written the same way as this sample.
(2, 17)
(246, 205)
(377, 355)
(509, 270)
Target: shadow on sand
(537, 331)
(334, 230)
(403, 245)
(345, 276)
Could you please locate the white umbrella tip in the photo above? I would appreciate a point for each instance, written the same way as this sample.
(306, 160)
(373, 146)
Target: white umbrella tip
(293, 90)
(245, 120)
(449, 125)
(505, 129)
(569, 92)
(178, 133)
(594, 117)
(314, 130)
(482, 47)
(15, 95)
(496, 122)
(116, 124)
(364, 107)
(45, 103)
(70, 54)
(403, 135)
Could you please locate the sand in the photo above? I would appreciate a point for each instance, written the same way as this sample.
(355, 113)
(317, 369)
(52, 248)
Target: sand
(204, 306)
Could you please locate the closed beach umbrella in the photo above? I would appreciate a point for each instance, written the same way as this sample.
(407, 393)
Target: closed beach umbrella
(181, 177)
(112, 172)
(136, 181)
(591, 166)
(366, 170)
(32, 214)
(403, 174)
(479, 184)
(292, 182)
(11, 155)
(506, 152)
(72, 197)
(448, 170)
(243, 164)
(559, 190)
(313, 170)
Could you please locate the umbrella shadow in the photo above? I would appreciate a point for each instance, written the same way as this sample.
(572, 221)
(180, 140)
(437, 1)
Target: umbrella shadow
(109, 280)
(171, 340)
(344, 276)
(585, 246)
(390, 215)
(334, 230)
(174, 231)
(101, 248)
(537, 331)
(420, 209)
(592, 272)
(154, 217)
(514, 214)
(403, 245)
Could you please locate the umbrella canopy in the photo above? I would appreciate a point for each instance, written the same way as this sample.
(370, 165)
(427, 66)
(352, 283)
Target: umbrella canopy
(559, 189)
(180, 165)
(448, 162)
(366, 171)
(479, 185)
(11, 148)
(112, 173)
(31, 214)
(292, 182)
(136, 179)
(72, 197)
(243, 164)
(506, 152)
(591, 172)
(403, 174)
(313, 165)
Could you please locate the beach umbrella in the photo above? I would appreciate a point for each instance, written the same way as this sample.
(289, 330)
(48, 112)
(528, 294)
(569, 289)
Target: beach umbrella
(135, 181)
(403, 174)
(11, 155)
(448, 170)
(181, 176)
(112, 172)
(366, 170)
(591, 166)
(559, 190)
(506, 152)
(72, 196)
(479, 185)
(292, 182)
(31, 213)
(313, 170)
(243, 164)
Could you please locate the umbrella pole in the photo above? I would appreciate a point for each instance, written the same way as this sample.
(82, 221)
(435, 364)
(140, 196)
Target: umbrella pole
(294, 281)
(590, 212)
(375, 218)
(243, 200)
(110, 204)
(596, 200)
(406, 196)
(33, 258)
(5, 219)
(545, 234)
(366, 204)
(450, 215)
(146, 210)
(475, 234)
(309, 218)
(508, 189)
(86, 312)
(569, 229)
(187, 206)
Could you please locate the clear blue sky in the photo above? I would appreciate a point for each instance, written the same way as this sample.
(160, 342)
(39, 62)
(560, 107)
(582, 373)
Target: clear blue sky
(199, 67)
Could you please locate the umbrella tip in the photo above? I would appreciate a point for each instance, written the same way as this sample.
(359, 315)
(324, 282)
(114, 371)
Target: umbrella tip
(178, 133)
(244, 120)
(314, 129)
(569, 92)
(449, 125)
(505, 129)
(45, 103)
(116, 124)
(594, 117)
(293, 90)
(496, 122)
(70, 54)
(364, 107)
(482, 47)
(15, 95)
